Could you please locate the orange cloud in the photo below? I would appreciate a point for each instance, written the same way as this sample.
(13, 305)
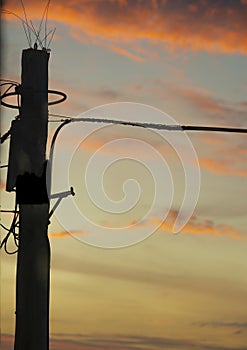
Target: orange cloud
(202, 99)
(64, 234)
(216, 28)
(223, 167)
(2, 186)
(7, 341)
(199, 227)
(215, 139)
(126, 53)
(195, 226)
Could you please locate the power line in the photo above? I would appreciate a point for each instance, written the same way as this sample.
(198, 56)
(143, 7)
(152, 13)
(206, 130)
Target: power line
(154, 125)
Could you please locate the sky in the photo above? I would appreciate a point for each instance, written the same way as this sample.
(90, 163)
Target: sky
(163, 61)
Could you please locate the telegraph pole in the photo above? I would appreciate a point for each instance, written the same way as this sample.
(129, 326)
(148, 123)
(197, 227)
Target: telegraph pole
(27, 174)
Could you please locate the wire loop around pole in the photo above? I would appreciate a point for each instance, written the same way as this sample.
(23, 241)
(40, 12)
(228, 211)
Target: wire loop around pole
(54, 92)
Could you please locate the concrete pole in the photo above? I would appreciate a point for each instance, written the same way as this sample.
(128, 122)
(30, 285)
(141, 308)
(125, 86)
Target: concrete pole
(27, 163)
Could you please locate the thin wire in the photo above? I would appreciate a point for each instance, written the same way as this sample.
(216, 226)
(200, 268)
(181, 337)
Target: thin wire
(27, 34)
(46, 17)
(42, 18)
(11, 230)
(44, 39)
(5, 136)
(56, 121)
(26, 20)
(12, 84)
(10, 81)
(36, 34)
(51, 38)
(60, 116)
(50, 158)
(41, 22)
(8, 211)
(21, 19)
(9, 88)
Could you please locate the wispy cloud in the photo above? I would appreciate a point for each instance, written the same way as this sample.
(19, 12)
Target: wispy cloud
(124, 342)
(2, 185)
(64, 234)
(197, 226)
(205, 105)
(235, 326)
(7, 341)
(223, 167)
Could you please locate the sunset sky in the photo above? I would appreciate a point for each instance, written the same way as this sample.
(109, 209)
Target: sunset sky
(169, 291)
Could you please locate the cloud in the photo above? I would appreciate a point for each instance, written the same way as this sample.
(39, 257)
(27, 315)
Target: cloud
(209, 106)
(65, 234)
(212, 140)
(200, 26)
(7, 341)
(123, 342)
(236, 327)
(223, 167)
(197, 226)
(2, 185)
(221, 324)
(228, 159)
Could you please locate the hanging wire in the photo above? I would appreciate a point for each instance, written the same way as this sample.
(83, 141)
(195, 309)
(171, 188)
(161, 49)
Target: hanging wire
(24, 22)
(5, 136)
(66, 120)
(14, 227)
(60, 116)
(9, 81)
(13, 84)
(50, 158)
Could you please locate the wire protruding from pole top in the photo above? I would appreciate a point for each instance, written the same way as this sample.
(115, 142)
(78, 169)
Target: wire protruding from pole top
(37, 37)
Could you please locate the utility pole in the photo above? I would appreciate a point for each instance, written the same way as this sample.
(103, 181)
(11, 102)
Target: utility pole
(27, 175)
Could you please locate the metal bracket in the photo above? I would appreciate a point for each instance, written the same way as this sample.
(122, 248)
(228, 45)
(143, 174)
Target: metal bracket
(60, 196)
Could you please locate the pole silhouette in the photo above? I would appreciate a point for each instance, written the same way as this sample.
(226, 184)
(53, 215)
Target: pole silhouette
(27, 174)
